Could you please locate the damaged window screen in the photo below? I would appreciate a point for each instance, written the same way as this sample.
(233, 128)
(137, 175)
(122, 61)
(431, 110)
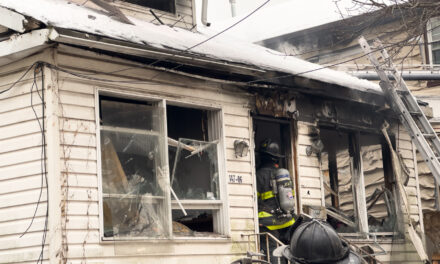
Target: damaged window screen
(134, 180)
(377, 177)
(195, 170)
(337, 171)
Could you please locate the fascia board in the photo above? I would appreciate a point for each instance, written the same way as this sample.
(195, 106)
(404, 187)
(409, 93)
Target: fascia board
(20, 46)
(12, 20)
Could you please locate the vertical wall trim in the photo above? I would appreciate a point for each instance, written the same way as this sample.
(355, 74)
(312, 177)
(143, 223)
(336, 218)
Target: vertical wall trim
(254, 174)
(53, 162)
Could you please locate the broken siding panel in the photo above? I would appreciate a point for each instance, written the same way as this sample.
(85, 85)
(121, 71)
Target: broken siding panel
(308, 168)
(20, 169)
(79, 154)
(404, 142)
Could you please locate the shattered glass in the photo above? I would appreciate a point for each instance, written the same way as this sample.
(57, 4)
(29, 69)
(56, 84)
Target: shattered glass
(135, 182)
(195, 172)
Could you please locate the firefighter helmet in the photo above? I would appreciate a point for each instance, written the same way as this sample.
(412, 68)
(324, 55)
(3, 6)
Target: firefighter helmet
(316, 241)
(271, 148)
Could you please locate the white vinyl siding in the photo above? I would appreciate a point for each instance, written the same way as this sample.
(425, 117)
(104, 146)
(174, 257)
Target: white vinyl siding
(20, 167)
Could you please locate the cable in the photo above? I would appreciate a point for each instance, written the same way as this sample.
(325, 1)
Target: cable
(19, 79)
(214, 36)
(39, 68)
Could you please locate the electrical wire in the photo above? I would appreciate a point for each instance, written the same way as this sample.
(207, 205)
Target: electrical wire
(19, 79)
(39, 68)
(212, 37)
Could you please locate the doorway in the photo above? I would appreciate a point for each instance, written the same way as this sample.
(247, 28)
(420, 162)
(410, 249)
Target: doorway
(279, 131)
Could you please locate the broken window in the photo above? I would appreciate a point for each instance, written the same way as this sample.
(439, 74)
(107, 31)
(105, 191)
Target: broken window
(133, 178)
(144, 193)
(337, 171)
(163, 5)
(377, 178)
(343, 156)
(194, 169)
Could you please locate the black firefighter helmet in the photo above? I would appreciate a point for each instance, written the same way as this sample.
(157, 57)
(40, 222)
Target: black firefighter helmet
(316, 242)
(270, 148)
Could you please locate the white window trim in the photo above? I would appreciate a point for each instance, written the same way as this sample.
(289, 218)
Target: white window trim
(220, 219)
(429, 38)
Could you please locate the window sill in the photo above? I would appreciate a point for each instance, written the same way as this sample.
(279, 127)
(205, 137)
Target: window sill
(385, 237)
(206, 239)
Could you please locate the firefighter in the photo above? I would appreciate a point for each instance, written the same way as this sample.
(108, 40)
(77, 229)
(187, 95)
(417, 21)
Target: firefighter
(275, 197)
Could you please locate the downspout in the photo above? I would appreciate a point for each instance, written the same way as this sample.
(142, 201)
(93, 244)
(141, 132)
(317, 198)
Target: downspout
(205, 13)
(233, 7)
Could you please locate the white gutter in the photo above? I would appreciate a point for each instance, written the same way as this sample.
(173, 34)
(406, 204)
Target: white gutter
(12, 20)
(205, 13)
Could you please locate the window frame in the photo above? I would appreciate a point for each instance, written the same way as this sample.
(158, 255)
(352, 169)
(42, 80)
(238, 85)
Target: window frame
(134, 6)
(362, 212)
(219, 207)
(430, 42)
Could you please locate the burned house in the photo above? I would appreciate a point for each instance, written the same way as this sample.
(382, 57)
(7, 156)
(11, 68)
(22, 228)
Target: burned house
(133, 142)
(414, 45)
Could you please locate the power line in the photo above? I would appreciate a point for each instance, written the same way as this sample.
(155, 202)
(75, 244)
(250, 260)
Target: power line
(19, 79)
(38, 67)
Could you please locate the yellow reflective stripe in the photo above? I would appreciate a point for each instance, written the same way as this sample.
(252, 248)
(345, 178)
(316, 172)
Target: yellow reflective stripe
(267, 195)
(263, 214)
(258, 195)
(286, 224)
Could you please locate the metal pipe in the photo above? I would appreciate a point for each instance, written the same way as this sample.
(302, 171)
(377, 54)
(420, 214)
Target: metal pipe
(205, 13)
(407, 75)
(233, 7)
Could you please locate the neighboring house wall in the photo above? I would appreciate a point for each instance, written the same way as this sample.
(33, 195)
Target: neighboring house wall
(183, 18)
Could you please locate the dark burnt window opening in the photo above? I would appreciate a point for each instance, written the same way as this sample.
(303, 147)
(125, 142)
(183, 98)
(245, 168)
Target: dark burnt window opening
(341, 157)
(163, 5)
(378, 180)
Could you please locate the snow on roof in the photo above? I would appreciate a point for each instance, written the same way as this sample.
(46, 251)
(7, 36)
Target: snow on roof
(63, 14)
(284, 18)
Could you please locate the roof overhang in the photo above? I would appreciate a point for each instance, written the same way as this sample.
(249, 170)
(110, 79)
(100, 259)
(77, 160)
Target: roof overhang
(239, 71)
(236, 69)
(24, 45)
